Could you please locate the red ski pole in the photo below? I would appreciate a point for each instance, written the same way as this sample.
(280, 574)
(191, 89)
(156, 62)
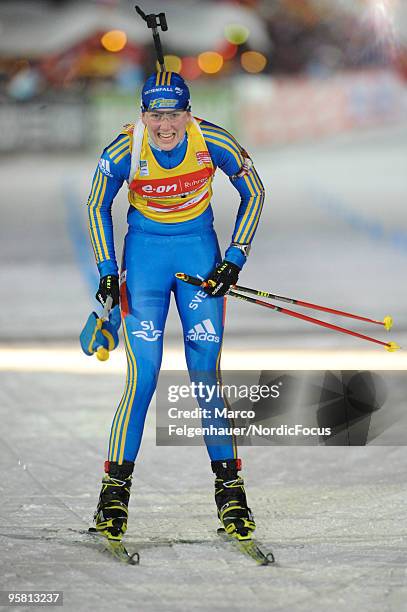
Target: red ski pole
(389, 346)
(387, 321)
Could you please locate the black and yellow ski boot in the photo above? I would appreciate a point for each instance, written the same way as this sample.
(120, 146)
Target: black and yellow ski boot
(112, 510)
(234, 514)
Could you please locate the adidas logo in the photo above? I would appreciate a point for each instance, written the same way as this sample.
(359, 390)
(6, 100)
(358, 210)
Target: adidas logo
(104, 166)
(204, 331)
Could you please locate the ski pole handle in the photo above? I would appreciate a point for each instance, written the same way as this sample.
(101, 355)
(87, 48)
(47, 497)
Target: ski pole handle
(102, 353)
(191, 280)
(107, 308)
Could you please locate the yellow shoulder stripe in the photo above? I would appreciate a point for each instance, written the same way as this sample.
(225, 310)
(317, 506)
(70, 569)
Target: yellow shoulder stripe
(238, 157)
(119, 142)
(124, 147)
(223, 139)
(120, 157)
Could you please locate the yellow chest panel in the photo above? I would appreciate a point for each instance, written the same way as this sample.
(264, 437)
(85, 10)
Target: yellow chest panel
(176, 194)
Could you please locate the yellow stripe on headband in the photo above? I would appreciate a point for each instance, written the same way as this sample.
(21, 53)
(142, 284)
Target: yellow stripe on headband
(163, 78)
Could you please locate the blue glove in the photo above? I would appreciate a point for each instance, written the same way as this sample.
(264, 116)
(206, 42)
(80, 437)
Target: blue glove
(101, 336)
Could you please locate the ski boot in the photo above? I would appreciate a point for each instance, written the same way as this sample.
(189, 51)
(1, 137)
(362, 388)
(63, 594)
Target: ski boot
(112, 510)
(236, 518)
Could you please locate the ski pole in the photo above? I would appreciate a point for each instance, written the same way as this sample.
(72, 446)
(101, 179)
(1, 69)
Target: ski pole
(153, 22)
(389, 346)
(102, 353)
(387, 321)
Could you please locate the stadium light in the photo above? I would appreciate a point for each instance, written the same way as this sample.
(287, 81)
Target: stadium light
(236, 34)
(210, 62)
(114, 40)
(253, 61)
(173, 63)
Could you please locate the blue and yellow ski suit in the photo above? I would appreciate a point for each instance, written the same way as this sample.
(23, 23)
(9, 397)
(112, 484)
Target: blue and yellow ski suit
(170, 230)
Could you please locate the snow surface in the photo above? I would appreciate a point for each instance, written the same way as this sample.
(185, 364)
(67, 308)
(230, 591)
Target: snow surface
(334, 517)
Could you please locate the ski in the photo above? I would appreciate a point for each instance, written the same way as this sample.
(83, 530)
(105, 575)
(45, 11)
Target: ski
(248, 547)
(116, 548)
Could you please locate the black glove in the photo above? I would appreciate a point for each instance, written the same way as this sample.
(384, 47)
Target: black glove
(221, 278)
(109, 285)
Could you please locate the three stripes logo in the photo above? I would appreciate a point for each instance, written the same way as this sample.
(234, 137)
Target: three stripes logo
(204, 331)
(104, 166)
(148, 333)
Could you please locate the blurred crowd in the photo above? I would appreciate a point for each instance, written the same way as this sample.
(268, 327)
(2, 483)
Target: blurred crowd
(303, 37)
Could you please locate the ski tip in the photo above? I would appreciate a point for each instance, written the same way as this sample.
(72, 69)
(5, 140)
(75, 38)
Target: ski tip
(134, 559)
(388, 322)
(180, 276)
(392, 347)
(268, 559)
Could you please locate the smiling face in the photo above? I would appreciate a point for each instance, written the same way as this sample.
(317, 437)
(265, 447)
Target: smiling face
(166, 128)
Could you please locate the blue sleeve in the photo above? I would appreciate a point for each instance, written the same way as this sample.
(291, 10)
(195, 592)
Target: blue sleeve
(113, 168)
(231, 158)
